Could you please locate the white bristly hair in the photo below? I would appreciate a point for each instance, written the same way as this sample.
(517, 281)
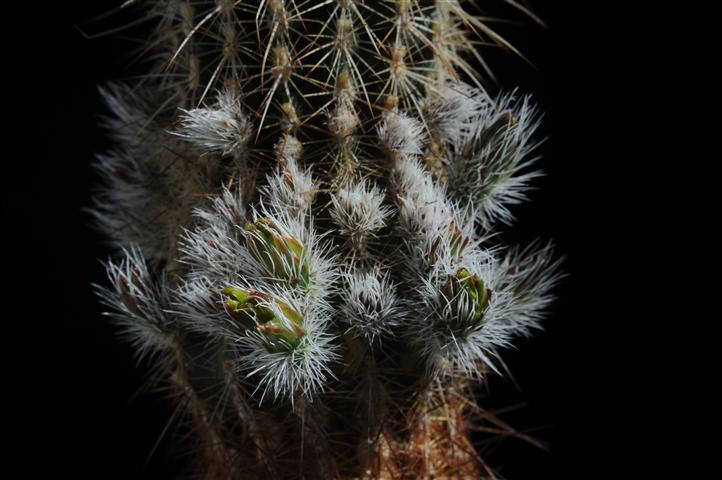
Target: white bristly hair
(401, 134)
(302, 371)
(493, 167)
(131, 110)
(531, 274)
(217, 256)
(434, 228)
(371, 308)
(286, 374)
(147, 192)
(449, 111)
(225, 128)
(211, 250)
(441, 238)
(359, 212)
(290, 188)
(138, 303)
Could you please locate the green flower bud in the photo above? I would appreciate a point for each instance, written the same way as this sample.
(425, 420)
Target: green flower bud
(464, 284)
(281, 254)
(247, 306)
(275, 321)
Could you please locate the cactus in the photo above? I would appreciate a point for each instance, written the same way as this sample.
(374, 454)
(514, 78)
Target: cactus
(304, 197)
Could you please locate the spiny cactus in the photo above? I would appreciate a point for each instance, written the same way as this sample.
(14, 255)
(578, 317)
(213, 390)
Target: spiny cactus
(305, 197)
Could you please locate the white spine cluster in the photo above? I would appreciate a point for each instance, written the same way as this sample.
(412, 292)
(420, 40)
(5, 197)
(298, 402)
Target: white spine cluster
(530, 274)
(371, 309)
(130, 117)
(211, 249)
(434, 228)
(401, 135)
(451, 339)
(290, 188)
(359, 212)
(518, 297)
(224, 129)
(493, 167)
(301, 371)
(451, 109)
(138, 303)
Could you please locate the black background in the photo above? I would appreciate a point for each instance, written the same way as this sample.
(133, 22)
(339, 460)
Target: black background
(73, 384)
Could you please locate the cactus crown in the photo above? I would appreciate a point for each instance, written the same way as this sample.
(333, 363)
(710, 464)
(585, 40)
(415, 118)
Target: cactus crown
(305, 194)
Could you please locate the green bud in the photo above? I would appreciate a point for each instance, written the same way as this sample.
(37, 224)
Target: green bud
(247, 306)
(282, 255)
(463, 283)
(278, 323)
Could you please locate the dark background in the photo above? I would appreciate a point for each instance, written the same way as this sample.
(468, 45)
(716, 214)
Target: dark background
(74, 384)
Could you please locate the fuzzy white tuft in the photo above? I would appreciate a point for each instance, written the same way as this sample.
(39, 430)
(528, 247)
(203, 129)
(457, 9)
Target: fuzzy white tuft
(290, 188)
(359, 212)
(148, 190)
(138, 303)
(450, 109)
(493, 167)
(221, 253)
(433, 227)
(131, 110)
(211, 249)
(401, 134)
(198, 305)
(224, 129)
(371, 308)
(530, 274)
(286, 373)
